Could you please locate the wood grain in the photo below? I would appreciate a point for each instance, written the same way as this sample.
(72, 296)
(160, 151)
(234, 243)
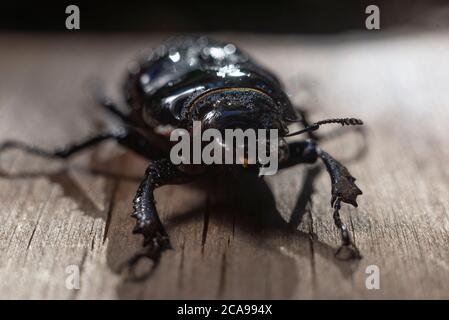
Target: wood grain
(247, 239)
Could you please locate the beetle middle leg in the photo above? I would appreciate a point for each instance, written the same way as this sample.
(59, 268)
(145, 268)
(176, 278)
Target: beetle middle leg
(344, 188)
(64, 152)
(127, 137)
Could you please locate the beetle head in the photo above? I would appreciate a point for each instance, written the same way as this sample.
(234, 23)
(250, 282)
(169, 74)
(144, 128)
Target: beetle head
(232, 108)
(242, 108)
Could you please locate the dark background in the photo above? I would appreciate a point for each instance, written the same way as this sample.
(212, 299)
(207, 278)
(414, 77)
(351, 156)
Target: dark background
(296, 16)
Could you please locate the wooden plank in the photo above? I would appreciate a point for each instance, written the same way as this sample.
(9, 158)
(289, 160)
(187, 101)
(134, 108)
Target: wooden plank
(245, 239)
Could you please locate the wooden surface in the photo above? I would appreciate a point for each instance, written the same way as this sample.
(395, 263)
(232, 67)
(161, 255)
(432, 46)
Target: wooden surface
(248, 239)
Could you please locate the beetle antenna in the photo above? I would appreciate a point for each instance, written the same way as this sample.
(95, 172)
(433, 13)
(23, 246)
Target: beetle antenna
(316, 125)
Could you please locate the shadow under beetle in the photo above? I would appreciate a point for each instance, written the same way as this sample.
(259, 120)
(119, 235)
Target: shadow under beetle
(196, 78)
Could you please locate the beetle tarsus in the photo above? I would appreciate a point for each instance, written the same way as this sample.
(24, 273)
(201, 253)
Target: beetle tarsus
(347, 250)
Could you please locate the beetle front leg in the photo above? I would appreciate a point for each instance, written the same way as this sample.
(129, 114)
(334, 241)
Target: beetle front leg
(155, 238)
(344, 188)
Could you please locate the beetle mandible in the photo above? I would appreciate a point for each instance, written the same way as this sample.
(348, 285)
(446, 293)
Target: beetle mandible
(196, 78)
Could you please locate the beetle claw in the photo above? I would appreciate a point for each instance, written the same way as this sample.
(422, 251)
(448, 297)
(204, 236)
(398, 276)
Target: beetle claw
(153, 249)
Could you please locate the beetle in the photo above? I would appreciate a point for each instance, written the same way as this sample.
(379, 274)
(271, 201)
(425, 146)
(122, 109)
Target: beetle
(190, 79)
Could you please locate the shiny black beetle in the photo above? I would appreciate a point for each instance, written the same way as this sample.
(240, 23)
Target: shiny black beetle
(195, 78)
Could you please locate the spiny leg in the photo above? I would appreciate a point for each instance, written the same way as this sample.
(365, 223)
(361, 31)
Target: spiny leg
(343, 183)
(344, 188)
(155, 238)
